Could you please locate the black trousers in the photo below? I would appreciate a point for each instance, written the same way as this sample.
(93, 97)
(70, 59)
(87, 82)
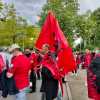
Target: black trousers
(0, 82)
(38, 74)
(33, 80)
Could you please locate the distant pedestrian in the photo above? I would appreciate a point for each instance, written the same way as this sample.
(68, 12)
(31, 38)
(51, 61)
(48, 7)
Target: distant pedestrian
(87, 59)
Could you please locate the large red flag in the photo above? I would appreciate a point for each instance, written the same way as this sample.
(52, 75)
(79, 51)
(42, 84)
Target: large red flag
(52, 34)
(46, 34)
(66, 59)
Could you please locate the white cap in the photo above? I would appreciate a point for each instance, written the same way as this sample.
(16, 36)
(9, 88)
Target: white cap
(14, 46)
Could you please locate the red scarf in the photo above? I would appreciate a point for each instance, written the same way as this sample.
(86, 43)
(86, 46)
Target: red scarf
(50, 64)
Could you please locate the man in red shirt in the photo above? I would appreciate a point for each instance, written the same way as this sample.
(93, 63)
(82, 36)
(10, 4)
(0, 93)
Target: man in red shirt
(20, 71)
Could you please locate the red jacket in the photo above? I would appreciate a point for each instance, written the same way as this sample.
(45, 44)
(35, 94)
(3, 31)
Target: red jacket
(1, 63)
(51, 65)
(20, 70)
(78, 59)
(34, 58)
(87, 60)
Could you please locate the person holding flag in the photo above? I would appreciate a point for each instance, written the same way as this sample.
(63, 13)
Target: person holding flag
(50, 73)
(52, 35)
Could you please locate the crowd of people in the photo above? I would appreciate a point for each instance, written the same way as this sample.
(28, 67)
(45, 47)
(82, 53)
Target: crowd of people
(18, 69)
(90, 61)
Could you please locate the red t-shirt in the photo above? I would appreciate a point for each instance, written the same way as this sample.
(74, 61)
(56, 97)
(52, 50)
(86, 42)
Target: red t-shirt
(20, 70)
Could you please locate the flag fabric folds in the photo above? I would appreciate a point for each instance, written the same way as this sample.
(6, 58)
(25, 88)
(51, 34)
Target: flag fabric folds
(52, 34)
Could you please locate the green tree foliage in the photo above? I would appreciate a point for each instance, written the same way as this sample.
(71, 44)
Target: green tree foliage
(65, 11)
(96, 16)
(85, 25)
(1, 5)
(15, 29)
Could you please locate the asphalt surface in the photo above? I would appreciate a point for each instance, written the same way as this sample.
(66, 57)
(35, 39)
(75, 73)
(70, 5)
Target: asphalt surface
(37, 94)
(75, 89)
(31, 96)
(78, 85)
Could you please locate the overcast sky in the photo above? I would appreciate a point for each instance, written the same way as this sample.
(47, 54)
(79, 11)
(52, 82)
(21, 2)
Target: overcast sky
(31, 8)
(88, 4)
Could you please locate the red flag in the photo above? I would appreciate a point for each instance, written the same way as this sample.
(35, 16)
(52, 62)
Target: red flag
(52, 34)
(46, 34)
(66, 59)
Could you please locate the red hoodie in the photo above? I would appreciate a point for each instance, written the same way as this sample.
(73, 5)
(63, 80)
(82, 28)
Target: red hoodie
(20, 70)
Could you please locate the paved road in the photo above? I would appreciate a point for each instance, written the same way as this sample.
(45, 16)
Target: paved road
(33, 96)
(78, 85)
(37, 95)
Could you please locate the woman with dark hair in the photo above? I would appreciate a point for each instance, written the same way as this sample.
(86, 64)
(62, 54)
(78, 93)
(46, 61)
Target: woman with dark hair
(49, 74)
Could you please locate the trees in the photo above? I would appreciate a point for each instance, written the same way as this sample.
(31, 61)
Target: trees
(1, 5)
(14, 28)
(65, 11)
(85, 25)
(96, 16)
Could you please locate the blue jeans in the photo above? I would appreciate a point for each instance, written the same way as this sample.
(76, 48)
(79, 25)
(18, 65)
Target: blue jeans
(59, 97)
(21, 95)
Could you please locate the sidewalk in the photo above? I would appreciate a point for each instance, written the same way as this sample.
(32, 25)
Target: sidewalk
(78, 85)
(75, 88)
(37, 94)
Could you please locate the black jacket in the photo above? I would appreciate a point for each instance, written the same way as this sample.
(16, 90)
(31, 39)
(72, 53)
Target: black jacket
(49, 84)
(7, 85)
(95, 67)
